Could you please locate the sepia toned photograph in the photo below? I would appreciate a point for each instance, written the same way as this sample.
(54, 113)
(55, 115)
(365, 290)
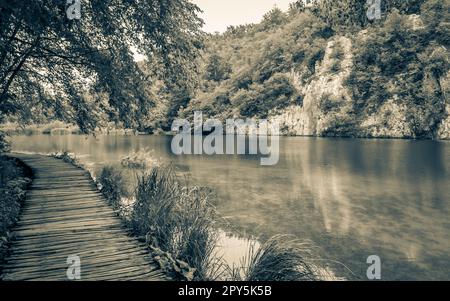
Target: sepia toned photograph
(240, 141)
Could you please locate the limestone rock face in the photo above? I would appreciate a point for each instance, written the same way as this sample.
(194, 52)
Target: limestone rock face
(444, 129)
(327, 104)
(309, 119)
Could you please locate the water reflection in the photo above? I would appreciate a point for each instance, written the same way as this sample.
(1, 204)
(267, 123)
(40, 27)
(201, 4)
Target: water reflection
(353, 198)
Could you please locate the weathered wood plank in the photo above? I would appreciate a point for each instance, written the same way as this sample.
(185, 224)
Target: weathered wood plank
(64, 214)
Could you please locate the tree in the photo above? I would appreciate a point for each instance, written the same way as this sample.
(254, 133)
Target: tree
(338, 14)
(275, 93)
(273, 18)
(353, 13)
(4, 146)
(404, 6)
(296, 7)
(218, 69)
(399, 64)
(50, 61)
(435, 14)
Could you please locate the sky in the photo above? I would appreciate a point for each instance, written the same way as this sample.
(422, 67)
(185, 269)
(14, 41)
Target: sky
(218, 14)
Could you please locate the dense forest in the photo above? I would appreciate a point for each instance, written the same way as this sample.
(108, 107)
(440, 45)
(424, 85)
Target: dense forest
(321, 70)
(330, 71)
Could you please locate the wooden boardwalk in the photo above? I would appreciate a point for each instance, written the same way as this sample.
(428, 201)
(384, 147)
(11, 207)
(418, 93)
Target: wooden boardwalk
(64, 215)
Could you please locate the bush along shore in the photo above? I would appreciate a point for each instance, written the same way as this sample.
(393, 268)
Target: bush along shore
(15, 177)
(179, 224)
(57, 127)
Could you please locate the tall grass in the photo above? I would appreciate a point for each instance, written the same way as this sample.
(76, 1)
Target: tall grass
(154, 208)
(281, 258)
(196, 232)
(178, 218)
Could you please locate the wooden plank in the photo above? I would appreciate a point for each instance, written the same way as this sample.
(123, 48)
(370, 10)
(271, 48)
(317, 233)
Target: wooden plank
(64, 214)
(87, 252)
(122, 274)
(66, 219)
(37, 246)
(70, 236)
(44, 216)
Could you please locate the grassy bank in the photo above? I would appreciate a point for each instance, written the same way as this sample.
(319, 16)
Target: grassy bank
(14, 179)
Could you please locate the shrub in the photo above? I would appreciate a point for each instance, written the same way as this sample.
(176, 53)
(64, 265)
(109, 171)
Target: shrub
(67, 157)
(276, 93)
(9, 209)
(335, 67)
(4, 145)
(337, 55)
(14, 179)
(315, 57)
(243, 80)
(113, 186)
(328, 104)
(8, 171)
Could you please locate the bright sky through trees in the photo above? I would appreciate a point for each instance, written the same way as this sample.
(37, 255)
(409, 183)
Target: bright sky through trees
(218, 14)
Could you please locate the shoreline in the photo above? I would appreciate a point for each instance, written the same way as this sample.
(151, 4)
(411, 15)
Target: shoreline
(169, 134)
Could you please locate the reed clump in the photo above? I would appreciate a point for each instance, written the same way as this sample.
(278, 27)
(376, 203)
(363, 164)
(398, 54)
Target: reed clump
(176, 217)
(281, 258)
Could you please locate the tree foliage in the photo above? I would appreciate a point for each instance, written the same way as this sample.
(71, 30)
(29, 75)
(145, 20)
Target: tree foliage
(262, 58)
(4, 145)
(218, 69)
(50, 64)
(353, 13)
(273, 18)
(399, 62)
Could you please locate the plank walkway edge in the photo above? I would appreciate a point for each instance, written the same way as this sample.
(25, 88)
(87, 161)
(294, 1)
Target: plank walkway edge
(54, 225)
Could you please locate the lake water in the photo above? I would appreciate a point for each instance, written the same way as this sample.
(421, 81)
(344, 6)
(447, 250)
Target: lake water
(351, 197)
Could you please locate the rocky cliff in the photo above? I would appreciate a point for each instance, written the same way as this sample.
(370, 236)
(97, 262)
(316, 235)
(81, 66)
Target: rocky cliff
(327, 108)
(389, 80)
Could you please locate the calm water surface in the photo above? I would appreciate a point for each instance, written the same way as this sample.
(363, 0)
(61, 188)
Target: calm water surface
(352, 198)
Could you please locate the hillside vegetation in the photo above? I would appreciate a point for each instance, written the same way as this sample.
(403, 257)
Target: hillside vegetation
(328, 71)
